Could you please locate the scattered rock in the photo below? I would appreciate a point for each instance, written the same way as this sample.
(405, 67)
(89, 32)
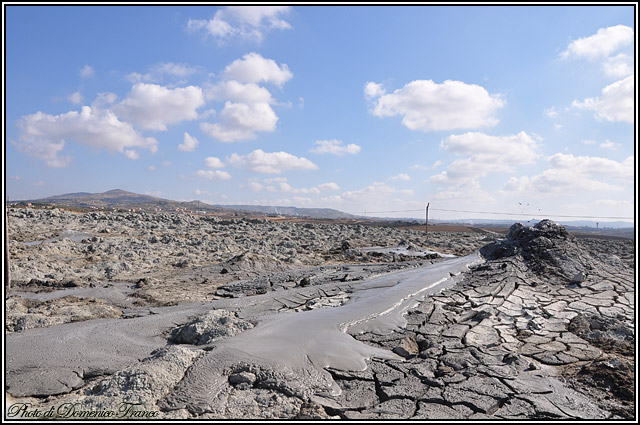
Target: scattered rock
(242, 380)
(208, 328)
(408, 347)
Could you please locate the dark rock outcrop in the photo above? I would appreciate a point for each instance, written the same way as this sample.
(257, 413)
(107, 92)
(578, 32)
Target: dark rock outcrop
(547, 249)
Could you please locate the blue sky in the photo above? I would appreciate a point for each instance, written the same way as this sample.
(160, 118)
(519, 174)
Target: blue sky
(359, 108)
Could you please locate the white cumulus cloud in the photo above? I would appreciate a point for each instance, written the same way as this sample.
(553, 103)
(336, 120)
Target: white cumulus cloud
(615, 104)
(470, 192)
(608, 144)
(43, 136)
(238, 92)
(594, 166)
(87, 71)
(241, 121)
(76, 98)
(271, 162)
(401, 177)
(601, 44)
(253, 68)
(373, 90)
(375, 190)
(153, 107)
(213, 162)
(570, 174)
(189, 143)
(131, 154)
(161, 70)
(376, 198)
(242, 22)
(247, 109)
(515, 149)
(551, 112)
(335, 147)
(618, 66)
(213, 174)
(103, 100)
(255, 186)
(328, 186)
(485, 154)
(428, 106)
(287, 188)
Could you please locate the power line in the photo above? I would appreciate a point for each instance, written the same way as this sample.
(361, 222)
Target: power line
(538, 215)
(383, 212)
(500, 213)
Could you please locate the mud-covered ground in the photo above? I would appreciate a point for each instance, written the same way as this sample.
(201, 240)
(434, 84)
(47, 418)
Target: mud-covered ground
(544, 328)
(178, 258)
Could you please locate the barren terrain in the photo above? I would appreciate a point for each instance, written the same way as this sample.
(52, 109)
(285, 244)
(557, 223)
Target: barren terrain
(185, 316)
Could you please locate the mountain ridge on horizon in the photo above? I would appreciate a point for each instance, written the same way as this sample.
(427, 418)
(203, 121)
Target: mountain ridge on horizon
(115, 198)
(122, 198)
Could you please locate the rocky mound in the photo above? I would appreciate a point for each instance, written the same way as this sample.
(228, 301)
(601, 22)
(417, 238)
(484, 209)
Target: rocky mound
(607, 333)
(210, 327)
(251, 264)
(547, 249)
(25, 313)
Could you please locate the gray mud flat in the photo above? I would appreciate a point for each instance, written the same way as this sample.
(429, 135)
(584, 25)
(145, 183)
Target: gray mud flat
(54, 360)
(302, 345)
(539, 325)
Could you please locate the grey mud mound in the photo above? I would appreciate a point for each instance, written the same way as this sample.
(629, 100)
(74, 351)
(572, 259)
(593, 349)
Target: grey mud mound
(546, 248)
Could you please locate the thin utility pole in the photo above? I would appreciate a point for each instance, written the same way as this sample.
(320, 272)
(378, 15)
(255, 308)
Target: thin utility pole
(426, 221)
(7, 272)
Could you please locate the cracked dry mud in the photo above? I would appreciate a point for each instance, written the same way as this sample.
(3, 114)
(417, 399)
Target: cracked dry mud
(542, 329)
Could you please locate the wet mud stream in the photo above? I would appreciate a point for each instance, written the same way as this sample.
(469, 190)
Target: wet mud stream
(54, 360)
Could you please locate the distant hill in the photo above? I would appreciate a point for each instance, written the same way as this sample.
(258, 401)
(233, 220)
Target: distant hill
(326, 213)
(118, 199)
(111, 197)
(122, 199)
